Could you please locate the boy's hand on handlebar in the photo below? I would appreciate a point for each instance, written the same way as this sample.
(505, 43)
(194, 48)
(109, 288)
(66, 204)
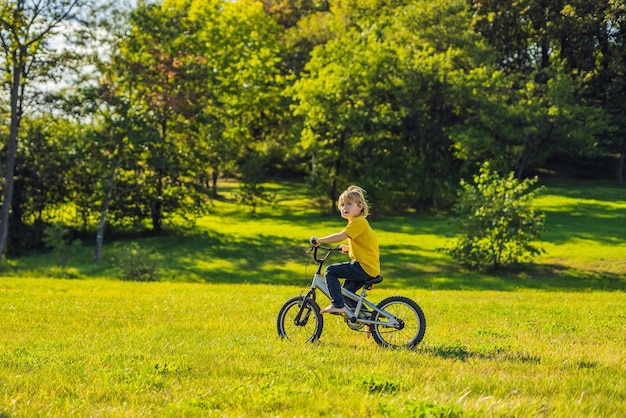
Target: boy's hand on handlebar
(344, 248)
(314, 241)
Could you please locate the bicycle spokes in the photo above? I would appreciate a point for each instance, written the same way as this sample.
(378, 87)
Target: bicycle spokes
(300, 320)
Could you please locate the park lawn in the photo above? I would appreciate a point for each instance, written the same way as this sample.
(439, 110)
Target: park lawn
(586, 228)
(546, 340)
(583, 242)
(110, 348)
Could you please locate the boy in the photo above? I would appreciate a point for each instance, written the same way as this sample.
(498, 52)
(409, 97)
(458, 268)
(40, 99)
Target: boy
(362, 248)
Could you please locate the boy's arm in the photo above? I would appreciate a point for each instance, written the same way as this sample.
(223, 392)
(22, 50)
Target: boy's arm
(329, 239)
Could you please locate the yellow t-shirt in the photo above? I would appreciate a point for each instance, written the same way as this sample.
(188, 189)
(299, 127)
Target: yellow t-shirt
(363, 245)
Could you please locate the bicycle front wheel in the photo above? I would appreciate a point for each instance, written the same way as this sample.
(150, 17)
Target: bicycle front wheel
(411, 328)
(299, 320)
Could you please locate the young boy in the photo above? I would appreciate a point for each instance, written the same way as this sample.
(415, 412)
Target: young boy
(362, 248)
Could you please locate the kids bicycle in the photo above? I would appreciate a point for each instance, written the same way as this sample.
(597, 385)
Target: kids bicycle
(396, 321)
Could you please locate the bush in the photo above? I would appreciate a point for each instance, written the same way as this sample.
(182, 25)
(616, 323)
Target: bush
(252, 193)
(495, 223)
(138, 264)
(56, 238)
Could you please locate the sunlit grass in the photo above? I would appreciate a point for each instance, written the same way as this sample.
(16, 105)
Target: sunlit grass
(584, 244)
(545, 340)
(101, 347)
(585, 229)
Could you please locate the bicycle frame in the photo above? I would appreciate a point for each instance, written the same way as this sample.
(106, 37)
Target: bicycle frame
(319, 283)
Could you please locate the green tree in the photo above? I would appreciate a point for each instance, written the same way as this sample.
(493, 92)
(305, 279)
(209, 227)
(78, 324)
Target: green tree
(596, 34)
(196, 80)
(245, 105)
(519, 129)
(563, 64)
(26, 31)
(305, 24)
(165, 73)
(380, 99)
(495, 221)
(42, 185)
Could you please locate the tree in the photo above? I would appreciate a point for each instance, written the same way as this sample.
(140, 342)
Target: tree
(520, 128)
(245, 107)
(305, 25)
(379, 100)
(26, 31)
(157, 84)
(540, 45)
(495, 221)
(596, 31)
(105, 106)
(198, 79)
(42, 173)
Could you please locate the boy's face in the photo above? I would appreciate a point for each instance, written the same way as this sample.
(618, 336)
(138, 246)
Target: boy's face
(350, 209)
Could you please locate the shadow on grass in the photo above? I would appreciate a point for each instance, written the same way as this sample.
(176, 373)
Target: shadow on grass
(210, 257)
(584, 189)
(592, 210)
(215, 258)
(586, 221)
(201, 255)
(458, 351)
(462, 353)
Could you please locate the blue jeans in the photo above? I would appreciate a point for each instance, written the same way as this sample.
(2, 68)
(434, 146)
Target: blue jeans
(354, 275)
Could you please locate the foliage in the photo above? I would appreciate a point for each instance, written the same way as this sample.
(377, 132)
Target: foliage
(575, 46)
(402, 96)
(382, 96)
(252, 192)
(42, 180)
(203, 75)
(137, 263)
(496, 224)
(519, 128)
(56, 238)
(27, 62)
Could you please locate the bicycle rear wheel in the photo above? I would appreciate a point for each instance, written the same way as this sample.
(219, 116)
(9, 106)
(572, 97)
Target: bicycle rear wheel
(412, 323)
(299, 320)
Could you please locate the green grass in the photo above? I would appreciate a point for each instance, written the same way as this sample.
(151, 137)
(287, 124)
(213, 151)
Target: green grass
(544, 341)
(109, 348)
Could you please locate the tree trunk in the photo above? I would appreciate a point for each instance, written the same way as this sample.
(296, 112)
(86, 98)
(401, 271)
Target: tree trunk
(106, 201)
(16, 115)
(214, 177)
(25, 28)
(334, 193)
(157, 208)
(620, 165)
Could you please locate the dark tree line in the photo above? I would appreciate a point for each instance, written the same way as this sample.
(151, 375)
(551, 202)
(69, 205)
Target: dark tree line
(405, 97)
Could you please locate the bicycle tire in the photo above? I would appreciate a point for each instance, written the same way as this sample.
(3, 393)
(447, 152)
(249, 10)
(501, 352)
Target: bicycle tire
(413, 323)
(309, 329)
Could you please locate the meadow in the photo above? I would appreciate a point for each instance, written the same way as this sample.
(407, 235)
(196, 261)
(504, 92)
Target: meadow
(546, 340)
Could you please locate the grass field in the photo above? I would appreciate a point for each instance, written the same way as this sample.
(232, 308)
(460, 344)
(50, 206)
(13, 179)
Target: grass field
(545, 341)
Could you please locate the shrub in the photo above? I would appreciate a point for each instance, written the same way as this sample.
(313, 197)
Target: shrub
(56, 238)
(252, 193)
(495, 223)
(138, 264)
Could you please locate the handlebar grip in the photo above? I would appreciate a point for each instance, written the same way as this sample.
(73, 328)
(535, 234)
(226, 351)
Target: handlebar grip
(314, 242)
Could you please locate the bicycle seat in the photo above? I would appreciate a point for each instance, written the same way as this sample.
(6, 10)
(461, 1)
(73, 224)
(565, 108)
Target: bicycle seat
(371, 282)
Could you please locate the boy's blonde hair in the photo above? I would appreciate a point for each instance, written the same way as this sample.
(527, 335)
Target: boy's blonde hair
(356, 195)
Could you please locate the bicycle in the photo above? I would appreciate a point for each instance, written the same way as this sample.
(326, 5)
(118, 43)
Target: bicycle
(396, 321)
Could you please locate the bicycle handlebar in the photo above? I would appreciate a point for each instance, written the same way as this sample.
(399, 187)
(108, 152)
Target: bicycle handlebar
(318, 247)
